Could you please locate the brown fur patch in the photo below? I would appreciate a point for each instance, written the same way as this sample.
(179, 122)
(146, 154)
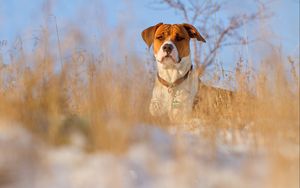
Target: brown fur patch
(175, 33)
(213, 102)
(179, 34)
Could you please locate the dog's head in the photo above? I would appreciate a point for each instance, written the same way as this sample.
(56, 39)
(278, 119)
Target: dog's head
(171, 42)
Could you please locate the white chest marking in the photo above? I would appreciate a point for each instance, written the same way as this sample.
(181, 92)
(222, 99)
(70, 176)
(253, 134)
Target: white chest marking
(177, 103)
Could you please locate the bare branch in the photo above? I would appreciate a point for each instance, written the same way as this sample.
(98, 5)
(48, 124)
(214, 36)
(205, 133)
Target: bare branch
(225, 32)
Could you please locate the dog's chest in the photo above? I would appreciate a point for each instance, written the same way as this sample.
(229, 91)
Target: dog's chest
(172, 98)
(175, 100)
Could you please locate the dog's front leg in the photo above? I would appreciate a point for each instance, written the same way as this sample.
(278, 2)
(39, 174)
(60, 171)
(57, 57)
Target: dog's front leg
(155, 108)
(157, 103)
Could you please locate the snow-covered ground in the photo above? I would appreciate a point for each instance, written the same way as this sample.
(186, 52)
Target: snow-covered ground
(180, 157)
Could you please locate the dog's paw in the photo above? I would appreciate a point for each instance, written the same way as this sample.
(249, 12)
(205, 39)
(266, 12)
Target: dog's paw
(155, 108)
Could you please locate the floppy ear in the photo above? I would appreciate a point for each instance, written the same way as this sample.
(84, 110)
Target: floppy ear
(193, 33)
(148, 34)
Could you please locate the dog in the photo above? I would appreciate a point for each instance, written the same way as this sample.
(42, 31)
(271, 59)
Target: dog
(177, 88)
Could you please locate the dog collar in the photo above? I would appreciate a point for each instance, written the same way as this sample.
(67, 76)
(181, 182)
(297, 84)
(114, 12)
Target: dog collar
(176, 82)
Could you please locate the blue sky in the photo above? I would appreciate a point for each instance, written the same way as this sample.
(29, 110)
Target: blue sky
(22, 17)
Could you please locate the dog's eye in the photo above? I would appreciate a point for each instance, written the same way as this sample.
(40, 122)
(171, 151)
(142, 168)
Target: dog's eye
(160, 37)
(179, 38)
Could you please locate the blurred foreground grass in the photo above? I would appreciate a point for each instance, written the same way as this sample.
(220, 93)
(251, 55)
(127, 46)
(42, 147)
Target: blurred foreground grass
(104, 100)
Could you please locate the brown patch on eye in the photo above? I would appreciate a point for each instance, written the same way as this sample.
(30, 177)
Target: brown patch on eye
(173, 33)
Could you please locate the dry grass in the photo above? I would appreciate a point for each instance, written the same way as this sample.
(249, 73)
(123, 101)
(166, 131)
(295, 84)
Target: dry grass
(103, 99)
(102, 102)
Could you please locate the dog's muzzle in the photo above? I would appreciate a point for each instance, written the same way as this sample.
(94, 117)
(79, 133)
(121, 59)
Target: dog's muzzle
(168, 48)
(168, 54)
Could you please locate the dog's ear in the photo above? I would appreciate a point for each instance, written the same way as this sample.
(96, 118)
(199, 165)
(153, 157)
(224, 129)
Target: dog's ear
(148, 34)
(193, 32)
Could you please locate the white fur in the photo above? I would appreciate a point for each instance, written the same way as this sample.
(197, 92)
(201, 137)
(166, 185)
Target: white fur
(178, 103)
(159, 56)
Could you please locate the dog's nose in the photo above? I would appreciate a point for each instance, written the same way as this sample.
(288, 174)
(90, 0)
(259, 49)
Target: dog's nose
(168, 48)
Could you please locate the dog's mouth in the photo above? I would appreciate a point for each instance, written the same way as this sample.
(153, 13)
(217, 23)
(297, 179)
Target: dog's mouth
(168, 57)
